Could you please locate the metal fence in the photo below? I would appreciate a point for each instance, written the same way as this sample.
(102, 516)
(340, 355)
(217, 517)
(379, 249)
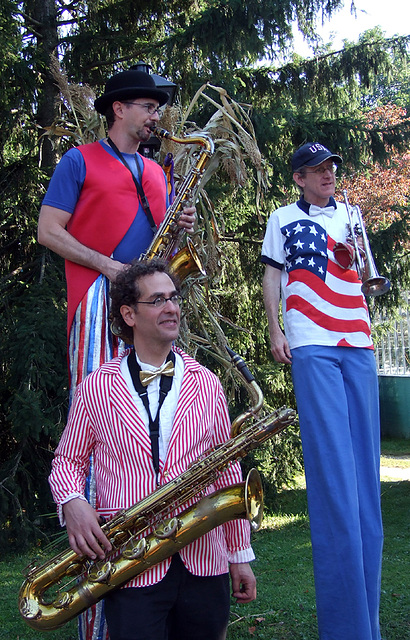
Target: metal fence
(393, 346)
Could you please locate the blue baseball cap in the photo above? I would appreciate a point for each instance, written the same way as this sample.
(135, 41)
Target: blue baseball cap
(311, 154)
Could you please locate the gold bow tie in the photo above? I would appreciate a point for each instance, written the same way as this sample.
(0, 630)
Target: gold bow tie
(167, 369)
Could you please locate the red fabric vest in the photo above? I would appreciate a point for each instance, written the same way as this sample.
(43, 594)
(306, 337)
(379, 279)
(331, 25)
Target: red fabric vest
(105, 210)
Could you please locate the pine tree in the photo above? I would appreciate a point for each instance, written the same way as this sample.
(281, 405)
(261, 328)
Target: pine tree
(194, 44)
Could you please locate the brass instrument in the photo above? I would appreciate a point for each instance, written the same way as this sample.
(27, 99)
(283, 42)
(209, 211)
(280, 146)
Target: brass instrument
(254, 391)
(168, 237)
(150, 531)
(347, 254)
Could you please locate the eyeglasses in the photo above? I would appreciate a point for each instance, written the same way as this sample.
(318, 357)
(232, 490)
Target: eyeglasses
(321, 170)
(160, 301)
(150, 108)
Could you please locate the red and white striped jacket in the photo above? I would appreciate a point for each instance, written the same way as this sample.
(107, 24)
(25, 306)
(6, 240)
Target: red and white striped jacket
(104, 419)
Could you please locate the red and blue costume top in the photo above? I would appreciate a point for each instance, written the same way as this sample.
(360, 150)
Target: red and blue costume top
(91, 183)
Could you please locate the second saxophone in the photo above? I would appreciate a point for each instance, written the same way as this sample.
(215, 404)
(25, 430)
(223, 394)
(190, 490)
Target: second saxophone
(165, 244)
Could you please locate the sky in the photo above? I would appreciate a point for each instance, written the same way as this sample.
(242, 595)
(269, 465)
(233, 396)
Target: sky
(393, 16)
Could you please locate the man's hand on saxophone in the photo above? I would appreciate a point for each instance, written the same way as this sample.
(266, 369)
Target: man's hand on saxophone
(84, 532)
(187, 219)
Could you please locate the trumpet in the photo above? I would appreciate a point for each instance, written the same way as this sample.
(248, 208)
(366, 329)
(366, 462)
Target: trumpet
(347, 254)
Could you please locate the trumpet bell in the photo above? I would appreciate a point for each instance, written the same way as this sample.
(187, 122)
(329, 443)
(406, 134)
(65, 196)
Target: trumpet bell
(375, 286)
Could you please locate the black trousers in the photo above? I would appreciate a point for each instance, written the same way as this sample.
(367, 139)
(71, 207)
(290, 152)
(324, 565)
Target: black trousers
(180, 607)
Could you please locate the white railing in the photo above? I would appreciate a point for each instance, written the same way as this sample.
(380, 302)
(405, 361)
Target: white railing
(392, 349)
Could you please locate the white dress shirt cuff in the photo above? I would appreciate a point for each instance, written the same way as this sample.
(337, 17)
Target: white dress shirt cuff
(244, 555)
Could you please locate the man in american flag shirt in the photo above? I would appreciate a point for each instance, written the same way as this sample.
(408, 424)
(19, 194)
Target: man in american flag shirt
(327, 342)
(186, 596)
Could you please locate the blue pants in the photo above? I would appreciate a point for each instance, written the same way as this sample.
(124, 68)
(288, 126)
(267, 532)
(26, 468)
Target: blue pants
(336, 391)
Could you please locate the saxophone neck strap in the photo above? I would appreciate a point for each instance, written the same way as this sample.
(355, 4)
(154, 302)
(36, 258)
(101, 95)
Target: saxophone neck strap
(138, 184)
(164, 387)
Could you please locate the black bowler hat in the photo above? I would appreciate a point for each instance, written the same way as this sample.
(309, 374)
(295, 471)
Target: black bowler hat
(129, 84)
(311, 154)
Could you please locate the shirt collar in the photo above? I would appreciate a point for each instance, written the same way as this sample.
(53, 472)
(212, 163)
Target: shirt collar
(305, 206)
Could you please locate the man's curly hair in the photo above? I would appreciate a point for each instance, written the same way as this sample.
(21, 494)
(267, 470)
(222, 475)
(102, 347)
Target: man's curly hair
(125, 291)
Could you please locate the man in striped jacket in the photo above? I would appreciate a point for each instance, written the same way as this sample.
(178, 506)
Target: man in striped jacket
(138, 447)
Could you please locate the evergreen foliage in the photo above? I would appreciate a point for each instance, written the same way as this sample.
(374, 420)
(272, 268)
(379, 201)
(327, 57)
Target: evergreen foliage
(324, 98)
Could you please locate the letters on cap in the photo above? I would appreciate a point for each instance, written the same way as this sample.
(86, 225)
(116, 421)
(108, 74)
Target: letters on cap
(311, 154)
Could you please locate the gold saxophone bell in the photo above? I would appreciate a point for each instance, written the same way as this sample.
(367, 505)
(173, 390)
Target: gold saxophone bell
(253, 495)
(347, 254)
(187, 262)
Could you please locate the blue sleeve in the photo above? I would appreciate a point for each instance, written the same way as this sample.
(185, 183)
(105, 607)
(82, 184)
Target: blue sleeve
(271, 263)
(66, 182)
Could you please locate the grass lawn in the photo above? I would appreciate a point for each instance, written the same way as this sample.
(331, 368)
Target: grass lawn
(395, 447)
(285, 607)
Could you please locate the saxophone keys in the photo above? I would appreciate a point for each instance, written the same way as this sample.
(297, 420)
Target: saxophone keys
(30, 569)
(135, 549)
(30, 609)
(101, 571)
(63, 601)
(75, 568)
(167, 529)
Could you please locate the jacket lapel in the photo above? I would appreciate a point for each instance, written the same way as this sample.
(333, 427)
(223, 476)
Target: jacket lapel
(189, 392)
(126, 411)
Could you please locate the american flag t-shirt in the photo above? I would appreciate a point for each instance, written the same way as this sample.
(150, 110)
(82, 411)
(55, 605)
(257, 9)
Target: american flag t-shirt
(322, 303)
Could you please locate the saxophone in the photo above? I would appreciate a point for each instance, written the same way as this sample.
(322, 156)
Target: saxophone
(149, 532)
(168, 237)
